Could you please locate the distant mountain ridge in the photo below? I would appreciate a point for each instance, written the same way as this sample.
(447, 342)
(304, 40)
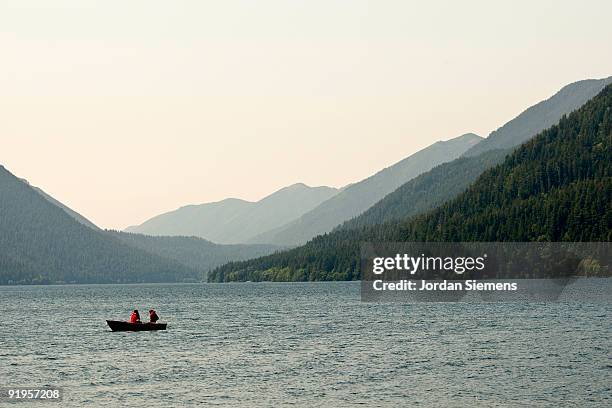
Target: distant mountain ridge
(358, 197)
(541, 116)
(343, 208)
(429, 190)
(233, 221)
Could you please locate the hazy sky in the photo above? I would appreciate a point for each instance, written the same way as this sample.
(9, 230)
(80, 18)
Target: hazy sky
(126, 109)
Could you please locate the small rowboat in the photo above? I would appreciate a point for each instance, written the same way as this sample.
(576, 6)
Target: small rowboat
(116, 325)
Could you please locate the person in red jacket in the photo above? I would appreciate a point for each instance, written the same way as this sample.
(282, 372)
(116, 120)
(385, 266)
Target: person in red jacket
(135, 316)
(153, 317)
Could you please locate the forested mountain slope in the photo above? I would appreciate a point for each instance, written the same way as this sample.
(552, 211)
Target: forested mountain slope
(41, 243)
(194, 252)
(556, 187)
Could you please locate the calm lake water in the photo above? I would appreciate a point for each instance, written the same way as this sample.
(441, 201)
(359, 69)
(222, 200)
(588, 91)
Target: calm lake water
(304, 344)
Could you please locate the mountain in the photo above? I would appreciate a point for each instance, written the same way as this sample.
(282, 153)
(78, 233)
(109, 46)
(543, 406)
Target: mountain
(234, 221)
(429, 190)
(193, 252)
(555, 187)
(356, 198)
(41, 243)
(78, 217)
(541, 116)
(446, 181)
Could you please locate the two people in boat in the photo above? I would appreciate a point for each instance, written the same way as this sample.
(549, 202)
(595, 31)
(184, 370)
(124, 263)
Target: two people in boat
(135, 316)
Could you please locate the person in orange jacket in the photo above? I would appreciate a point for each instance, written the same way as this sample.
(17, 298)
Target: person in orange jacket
(135, 316)
(153, 317)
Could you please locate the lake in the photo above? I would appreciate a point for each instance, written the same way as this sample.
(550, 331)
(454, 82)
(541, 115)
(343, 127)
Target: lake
(302, 344)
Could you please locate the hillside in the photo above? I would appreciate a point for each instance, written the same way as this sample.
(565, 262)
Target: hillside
(556, 187)
(446, 181)
(42, 243)
(194, 252)
(429, 190)
(78, 217)
(541, 116)
(358, 197)
(234, 221)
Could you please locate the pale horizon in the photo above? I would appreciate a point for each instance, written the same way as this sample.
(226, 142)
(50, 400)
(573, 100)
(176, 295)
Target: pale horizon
(123, 111)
